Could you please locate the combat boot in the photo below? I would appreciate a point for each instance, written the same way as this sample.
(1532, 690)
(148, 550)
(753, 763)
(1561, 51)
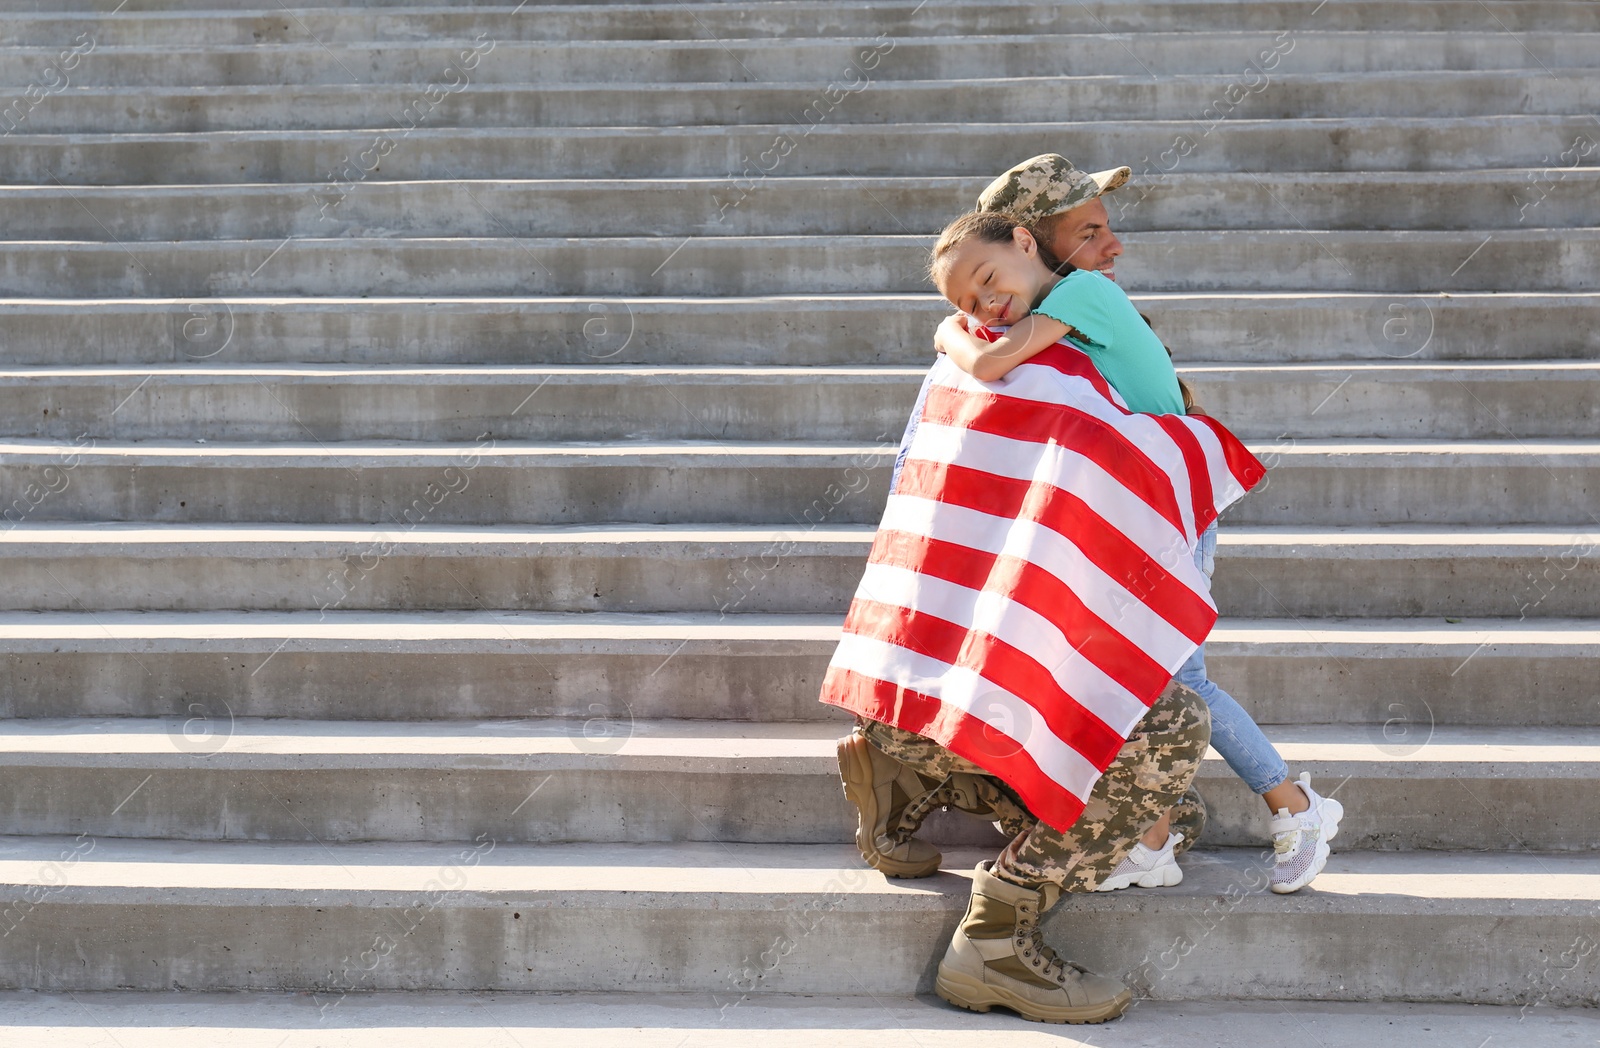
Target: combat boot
(891, 800)
(998, 957)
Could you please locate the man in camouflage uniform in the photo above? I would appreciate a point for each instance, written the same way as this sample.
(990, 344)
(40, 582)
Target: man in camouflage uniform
(1062, 204)
(895, 778)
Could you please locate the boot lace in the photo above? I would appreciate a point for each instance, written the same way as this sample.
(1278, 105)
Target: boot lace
(967, 793)
(1031, 947)
(913, 814)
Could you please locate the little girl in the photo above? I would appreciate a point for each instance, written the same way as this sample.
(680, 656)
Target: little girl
(995, 272)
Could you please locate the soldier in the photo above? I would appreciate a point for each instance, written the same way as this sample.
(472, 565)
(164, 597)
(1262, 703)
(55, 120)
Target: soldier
(895, 778)
(997, 957)
(1062, 205)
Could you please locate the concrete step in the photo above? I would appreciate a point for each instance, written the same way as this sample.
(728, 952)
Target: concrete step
(1457, 400)
(1220, 260)
(1313, 482)
(1391, 680)
(1372, 482)
(823, 330)
(1295, 96)
(634, 780)
(288, 916)
(190, 22)
(1261, 572)
(621, 402)
(506, 402)
(1429, 572)
(421, 1019)
(302, 61)
(1547, 197)
(413, 484)
(1348, 144)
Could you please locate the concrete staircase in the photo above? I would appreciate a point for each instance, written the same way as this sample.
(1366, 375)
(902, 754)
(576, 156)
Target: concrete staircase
(421, 579)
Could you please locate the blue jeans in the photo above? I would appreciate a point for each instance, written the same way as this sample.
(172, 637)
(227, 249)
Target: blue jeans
(1234, 733)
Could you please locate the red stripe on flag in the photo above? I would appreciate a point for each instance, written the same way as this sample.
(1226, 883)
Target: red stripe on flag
(1104, 545)
(1201, 497)
(1038, 422)
(1245, 467)
(962, 734)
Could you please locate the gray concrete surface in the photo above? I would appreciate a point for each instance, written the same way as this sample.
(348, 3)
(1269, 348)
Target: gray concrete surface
(197, 21)
(293, 106)
(1262, 573)
(1323, 144)
(622, 402)
(1396, 306)
(1387, 678)
(693, 917)
(1323, 482)
(1276, 260)
(1377, 328)
(1080, 53)
(422, 1020)
(616, 777)
(1423, 200)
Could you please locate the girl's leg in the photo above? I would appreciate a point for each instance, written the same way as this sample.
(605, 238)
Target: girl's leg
(1156, 835)
(1300, 838)
(1187, 817)
(1286, 796)
(1240, 741)
(1234, 733)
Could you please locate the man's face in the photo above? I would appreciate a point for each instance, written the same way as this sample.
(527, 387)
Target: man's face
(1083, 237)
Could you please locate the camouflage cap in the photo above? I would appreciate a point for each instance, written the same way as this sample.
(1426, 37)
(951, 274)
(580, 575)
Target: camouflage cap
(1047, 185)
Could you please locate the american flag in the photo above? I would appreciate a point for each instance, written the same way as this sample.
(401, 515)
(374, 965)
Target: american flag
(1032, 587)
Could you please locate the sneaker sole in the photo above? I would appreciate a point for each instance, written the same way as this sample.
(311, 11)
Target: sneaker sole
(1331, 819)
(1167, 876)
(1333, 813)
(855, 771)
(974, 995)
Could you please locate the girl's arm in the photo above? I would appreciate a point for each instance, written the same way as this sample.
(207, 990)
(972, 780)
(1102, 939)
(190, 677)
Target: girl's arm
(991, 361)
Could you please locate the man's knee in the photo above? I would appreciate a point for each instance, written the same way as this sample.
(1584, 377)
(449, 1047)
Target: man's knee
(913, 750)
(1180, 722)
(1171, 741)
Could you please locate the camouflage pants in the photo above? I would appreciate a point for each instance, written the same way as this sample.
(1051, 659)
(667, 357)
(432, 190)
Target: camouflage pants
(1151, 774)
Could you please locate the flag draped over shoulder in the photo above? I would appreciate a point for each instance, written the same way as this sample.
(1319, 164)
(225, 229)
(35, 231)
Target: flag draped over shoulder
(1032, 587)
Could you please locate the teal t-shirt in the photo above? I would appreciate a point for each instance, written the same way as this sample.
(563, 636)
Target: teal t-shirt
(1107, 327)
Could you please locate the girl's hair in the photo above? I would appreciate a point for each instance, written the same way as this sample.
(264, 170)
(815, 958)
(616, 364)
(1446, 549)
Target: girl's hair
(986, 227)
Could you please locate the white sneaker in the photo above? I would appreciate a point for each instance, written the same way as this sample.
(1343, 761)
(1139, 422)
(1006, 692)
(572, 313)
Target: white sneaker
(1301, 841)
(1146, 868)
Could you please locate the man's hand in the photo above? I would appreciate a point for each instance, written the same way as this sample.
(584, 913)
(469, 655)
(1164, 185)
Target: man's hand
(943, 337)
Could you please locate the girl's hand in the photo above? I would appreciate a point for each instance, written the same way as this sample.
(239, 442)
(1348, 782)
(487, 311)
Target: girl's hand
(944, 337)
